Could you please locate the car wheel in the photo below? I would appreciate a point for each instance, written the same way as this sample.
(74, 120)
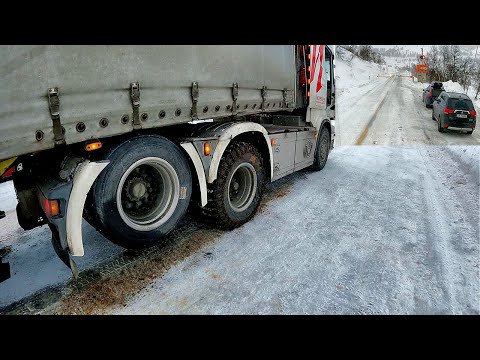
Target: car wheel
(470, 132)
(439, 125)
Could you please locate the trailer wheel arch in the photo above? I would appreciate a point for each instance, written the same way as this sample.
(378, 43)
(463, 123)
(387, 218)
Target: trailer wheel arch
(241, 131)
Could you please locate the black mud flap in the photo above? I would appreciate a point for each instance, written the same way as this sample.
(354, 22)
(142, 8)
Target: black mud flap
(4, 271)
(62, 251)
(4, 267)
(57, 189)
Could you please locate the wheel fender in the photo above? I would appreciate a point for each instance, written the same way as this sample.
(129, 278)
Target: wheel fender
(227, 136)
(197, 163)
(82, 182)
(71, 190)
(322, 124)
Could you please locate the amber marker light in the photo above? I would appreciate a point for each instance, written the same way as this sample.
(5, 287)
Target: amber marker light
(93, 146)
(206, 149)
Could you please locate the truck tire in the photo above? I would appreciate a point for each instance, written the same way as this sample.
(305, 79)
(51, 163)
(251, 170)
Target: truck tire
(143, 193)
(238, 189)
(322, 150)
(91, 216)
(25, 221)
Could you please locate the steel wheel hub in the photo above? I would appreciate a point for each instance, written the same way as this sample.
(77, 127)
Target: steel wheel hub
(148, 193)
(242, 187)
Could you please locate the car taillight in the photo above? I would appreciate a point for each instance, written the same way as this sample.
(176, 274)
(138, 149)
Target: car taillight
(473, 112)
(448, 111)
(430, 93)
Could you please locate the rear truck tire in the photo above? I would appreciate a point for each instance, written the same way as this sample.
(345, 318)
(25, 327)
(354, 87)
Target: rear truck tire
(90, 215)
(143, 193)
(322, 150)
(235, 195)
(26, 222)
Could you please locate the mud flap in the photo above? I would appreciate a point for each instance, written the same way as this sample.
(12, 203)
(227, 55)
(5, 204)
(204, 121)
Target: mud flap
(4, 267)
(62, 251)
(4, 271)
(72, 187)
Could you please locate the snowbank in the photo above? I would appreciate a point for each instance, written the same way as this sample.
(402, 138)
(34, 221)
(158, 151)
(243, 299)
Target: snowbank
(8, 199)
(352, 72)
(469, 157)
(453, 86)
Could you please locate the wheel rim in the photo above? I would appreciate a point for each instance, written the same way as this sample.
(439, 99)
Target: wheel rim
(242, 187)
(323, 147)
(148, 194)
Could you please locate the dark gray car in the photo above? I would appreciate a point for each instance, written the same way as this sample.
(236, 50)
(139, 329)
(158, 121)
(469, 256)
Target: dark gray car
(454, 110)
(431, 92)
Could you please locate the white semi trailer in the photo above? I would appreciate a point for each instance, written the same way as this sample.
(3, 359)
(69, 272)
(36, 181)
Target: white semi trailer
(130, 137)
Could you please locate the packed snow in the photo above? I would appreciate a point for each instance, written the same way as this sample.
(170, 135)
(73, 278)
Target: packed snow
(8, 199)
(389, 231)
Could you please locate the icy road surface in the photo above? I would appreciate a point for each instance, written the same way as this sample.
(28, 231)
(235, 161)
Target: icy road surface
(388, 230)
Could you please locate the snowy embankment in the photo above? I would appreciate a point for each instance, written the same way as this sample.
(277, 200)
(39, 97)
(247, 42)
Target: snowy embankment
(353, 73)
(8, 199)
(468, 157)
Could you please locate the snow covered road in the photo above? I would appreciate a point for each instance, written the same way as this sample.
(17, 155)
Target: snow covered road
(389, 230)
(395, 232)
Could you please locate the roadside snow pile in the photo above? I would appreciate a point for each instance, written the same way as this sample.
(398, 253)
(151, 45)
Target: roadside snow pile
(453, 86)
(351, 71)
(469, 156)
(450, 86)
(8, 199)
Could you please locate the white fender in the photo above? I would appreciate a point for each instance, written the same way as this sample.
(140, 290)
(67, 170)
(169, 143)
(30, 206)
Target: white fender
(82, 182)
(227, 136)
(197, 162)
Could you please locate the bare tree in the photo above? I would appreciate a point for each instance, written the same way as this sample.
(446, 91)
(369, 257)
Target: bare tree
(465, 72)
(433, 62)
(476, 78)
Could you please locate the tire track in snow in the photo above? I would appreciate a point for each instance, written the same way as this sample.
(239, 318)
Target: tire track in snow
(374, 116)
(439, 241)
